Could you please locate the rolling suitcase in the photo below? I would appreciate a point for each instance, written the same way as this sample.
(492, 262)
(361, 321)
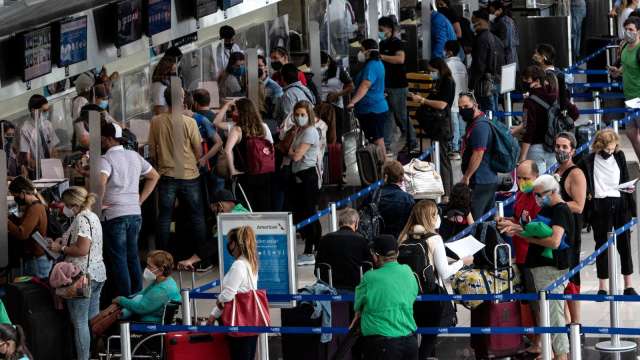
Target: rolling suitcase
(497, 314)
(369, 164)
(191, 345)
(48, 331)
(335, 165)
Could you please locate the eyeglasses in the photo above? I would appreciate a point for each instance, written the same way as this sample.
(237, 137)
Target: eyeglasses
(541, 195)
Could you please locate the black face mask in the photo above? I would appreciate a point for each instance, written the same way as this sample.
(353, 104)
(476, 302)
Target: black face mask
(467, 114)
(228, 46)
(276, 65)
(605, 155)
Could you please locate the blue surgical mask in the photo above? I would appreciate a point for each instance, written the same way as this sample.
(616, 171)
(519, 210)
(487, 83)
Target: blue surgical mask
(104, 104)
(239, 71)
(382, 35)
(302, 120)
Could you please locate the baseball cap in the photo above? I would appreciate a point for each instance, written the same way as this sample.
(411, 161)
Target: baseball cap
(111, 130)
(84, 82)
(384, 244)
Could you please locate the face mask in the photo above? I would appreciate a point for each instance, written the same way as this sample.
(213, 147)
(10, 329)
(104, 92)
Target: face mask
(104, 104)
(302, 120)
(438, 223)
(276, 65)
(148, 275)
(68, 212)
(526, 87)
(228, 46)
(492, 17)
(362, 57)
(467, 114)
(630, 36)
(20, 201)
(562, 156)
(543, 201)
(435, 75)
(605, 155)
(8, 140)
(382, 35)
(525, 186)
(239, 71)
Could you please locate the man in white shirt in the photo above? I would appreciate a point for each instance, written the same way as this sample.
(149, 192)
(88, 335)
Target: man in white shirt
(40, 144)
(120, 172)
(461, 78)
(225, 48)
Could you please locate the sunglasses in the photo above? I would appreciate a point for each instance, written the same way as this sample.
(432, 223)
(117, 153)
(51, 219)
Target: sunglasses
(469, 94)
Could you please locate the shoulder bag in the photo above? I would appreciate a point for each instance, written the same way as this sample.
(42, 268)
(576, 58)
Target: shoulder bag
(249, 308)
(80, 287)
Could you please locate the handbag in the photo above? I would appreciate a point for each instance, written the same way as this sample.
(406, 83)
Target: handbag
(105, 319)
(285, 144)
(80, 287)
(422, 181)
(249, 308)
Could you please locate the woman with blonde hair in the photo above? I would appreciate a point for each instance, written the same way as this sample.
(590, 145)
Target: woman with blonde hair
(81, 245)
(422, 228)
(607, 205)
(242, 277)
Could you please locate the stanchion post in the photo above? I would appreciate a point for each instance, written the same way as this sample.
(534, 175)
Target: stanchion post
(500, 206)
(508, 107)
(596, 106)
(436, 155)
(615, 126)
(334, 216)
(125, 341)
(194, 305)
(544, 321)
(576, 346)
(608, 52)
(263, 344)
(186, 307)
(615, 344)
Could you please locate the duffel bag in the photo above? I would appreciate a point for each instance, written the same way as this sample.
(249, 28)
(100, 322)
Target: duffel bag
(480, 281)
(422, 181)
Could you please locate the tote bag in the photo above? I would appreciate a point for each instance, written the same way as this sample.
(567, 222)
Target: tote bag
(249, 308)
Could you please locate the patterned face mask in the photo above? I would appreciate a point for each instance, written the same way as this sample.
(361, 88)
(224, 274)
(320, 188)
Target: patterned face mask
(526, 186)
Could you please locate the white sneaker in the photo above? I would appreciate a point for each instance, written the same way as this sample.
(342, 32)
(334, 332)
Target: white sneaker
(306, 259)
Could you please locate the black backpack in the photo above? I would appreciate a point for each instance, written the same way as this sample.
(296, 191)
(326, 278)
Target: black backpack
(435, 123)
(54, 228)
(558, 120)
(129, 140)
(415, 253)
(487, 234)
(371, 222)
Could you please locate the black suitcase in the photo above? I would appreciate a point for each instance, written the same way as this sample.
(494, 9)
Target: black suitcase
(303, 346)
(48, 331)
(369, 164)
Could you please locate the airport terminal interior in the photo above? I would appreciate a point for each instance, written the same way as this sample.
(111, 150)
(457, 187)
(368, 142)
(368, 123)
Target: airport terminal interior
(319, 179)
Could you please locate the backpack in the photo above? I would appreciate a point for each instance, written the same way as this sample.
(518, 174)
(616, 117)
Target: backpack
(434, 123)
(415, 253)
(55, 230)
(505, 149)
(371, 222)
(487, 234)
(260, 156)
(557, 121)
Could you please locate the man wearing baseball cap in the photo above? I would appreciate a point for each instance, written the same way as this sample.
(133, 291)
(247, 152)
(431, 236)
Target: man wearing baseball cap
(384, 305)
(120, 172)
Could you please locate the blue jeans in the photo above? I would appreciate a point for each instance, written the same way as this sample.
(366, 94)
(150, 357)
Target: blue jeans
(121, 253)
(483, 198)
(38, 266)
(189, 193)
(81, 311)
(397, 100)
(578, 13)
(459, 128)
(543, 159)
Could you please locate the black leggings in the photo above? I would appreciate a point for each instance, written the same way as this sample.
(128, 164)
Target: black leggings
(304, 198)
(242, 348)
(607, 213)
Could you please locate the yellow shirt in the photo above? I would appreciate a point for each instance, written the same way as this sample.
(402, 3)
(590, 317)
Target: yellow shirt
(161, 146)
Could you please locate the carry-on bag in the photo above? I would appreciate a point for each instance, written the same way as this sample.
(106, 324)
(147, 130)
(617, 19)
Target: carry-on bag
(497, 314)
(192, 345)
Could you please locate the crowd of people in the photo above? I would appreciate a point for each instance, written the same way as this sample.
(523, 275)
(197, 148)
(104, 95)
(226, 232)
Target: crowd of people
(268, 155)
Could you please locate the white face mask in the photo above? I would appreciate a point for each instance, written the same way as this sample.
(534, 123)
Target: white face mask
(630, 35)
(148, 275)
(68, 212)
(362, 57)
(438, 223)
(302, 120)
(492, 17)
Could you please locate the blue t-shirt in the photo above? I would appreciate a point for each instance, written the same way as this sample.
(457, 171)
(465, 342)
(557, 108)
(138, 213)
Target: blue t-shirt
(479, 136)
(373, 101)
(207, 132)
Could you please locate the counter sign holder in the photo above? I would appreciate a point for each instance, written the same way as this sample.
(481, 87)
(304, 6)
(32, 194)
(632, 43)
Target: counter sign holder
(275, 236)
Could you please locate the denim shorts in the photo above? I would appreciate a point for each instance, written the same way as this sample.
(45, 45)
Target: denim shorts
(372, 124)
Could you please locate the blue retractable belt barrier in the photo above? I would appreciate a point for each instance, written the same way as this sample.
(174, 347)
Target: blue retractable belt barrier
(205, 287)
(351, 297)
(595, 85)
(351, 198)
(587, 72)
(588, 58)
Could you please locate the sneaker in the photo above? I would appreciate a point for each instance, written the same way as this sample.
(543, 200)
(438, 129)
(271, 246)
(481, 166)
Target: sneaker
(454, 156)
(306, 259)
(630, 291)
(203, 266)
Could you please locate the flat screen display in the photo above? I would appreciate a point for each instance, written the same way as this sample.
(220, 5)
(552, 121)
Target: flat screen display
(206, 7)
(129, 15)
(37, 53)
(229, 3)
(159, 12)
(73, 41)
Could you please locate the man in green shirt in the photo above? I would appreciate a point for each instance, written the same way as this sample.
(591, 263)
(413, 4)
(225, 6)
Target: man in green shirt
(630, 71)
(384, 305)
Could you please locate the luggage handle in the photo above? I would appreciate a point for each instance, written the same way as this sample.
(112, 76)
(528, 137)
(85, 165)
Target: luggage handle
(319, 272)
(495, 268)
(200, 338)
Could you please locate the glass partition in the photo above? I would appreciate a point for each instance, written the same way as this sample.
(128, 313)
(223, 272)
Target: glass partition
(136, 93)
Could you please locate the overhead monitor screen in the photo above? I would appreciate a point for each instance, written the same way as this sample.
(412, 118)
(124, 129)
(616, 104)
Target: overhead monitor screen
(206, 7)
(159, 12)
(229, 3)
(37, 53)
(73, 41)
(129, 15)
